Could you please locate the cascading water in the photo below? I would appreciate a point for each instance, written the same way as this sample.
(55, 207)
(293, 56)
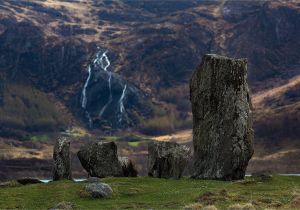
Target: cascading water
(121, 104)
(84, 98)
(104, 67)
(102, 62)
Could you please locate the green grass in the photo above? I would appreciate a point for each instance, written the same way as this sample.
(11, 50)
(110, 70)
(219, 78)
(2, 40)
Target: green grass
(152, 193)
(134, 143)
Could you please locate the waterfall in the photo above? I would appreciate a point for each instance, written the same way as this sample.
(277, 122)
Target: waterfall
(102, 63)
(84, 98)
(104, 67)
(121, 103)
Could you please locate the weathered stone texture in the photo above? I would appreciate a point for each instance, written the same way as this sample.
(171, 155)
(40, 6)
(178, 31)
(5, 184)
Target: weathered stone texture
(100, 159)
(61, 158)
(222, 119)
(167, 159)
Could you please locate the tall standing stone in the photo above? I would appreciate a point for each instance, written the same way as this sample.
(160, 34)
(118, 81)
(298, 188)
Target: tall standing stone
(61, 157)
(222, 119)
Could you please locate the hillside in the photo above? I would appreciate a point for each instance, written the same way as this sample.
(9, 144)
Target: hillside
(152, 47)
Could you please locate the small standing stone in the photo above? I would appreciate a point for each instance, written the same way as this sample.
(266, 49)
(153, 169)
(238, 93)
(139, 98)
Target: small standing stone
(167, 159)
(128, 167)
(222, 118)
(61, 157)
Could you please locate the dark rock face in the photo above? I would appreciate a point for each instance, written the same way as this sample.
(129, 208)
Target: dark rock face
(222, 119)
(98, 190)
(111, 101)
(61, 157)
(100, 159)
(128, 167)
(167, 159)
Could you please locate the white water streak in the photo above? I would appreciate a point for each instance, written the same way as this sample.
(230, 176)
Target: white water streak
(121, 103)
(84, 98)
(104, 67)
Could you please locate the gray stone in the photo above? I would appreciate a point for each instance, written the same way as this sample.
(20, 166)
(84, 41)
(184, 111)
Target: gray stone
(129, 169)
(222, 118)
(100, 159)
(61, 157)
(63, 206)
(167, 159)
(99, 190)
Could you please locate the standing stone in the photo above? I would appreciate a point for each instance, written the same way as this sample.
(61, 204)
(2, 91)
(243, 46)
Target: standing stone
(167, 159)
(222, 119)
(128, 168)
(100, 159)
(61, 157)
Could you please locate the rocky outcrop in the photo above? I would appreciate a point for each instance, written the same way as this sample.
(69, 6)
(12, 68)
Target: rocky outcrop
(100, 159)
(110, 101)
(61, 157)
(129, 169)
(167, 159)
(98, 190)
(222, 119)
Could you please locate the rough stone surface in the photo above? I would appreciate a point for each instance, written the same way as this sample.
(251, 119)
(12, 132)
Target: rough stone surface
(63, 205)
(61, 157)
(100, 159)
(129, 169)
(167, 159)
(99, 190)
(222, 118)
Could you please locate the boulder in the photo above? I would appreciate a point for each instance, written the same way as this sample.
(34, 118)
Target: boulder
(98, 190)
(128, 167)
(167, 159)
(100, 159)
(63, 206)
(61, 157)
(222, 118)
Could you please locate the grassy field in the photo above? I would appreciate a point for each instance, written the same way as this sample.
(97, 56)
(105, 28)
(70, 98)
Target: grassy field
(151, 193)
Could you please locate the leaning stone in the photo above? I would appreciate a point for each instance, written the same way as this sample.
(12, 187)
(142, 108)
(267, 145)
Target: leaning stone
(28, 180)
(128, 167)
(167, 159)
(98, 190)
(222, 118)
(100, 159)
(61, 157)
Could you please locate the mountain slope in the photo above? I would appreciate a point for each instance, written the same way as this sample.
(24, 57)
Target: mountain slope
(153, 46)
